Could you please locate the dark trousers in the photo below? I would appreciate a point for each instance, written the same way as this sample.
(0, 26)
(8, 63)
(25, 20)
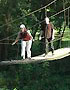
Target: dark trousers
(49, 46)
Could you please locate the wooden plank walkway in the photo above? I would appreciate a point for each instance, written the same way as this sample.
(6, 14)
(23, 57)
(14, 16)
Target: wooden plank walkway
(58, 54)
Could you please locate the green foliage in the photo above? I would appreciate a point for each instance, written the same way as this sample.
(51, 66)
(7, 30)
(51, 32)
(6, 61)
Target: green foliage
(47, 75)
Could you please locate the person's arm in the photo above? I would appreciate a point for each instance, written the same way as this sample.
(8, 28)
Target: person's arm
(28, 31)
(53, 35)
(17, 39)
(41, 33)
(53, 31)
(15, 42)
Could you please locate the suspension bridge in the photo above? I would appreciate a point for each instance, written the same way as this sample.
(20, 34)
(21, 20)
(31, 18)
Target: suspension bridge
(58, 53)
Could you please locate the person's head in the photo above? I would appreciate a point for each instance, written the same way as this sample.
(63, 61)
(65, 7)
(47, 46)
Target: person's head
(22, 27)
(47, 20)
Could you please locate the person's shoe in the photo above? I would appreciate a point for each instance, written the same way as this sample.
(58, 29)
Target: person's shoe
(52, 53)
(23, 58)
(29, 58)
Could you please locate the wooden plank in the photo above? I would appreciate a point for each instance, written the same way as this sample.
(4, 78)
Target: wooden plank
(26, 61)
(58, 54)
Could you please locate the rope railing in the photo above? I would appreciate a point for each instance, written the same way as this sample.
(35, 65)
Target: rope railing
(30, 13)
(26, 16)
(39, 22)
(61, 11)
(34, 41)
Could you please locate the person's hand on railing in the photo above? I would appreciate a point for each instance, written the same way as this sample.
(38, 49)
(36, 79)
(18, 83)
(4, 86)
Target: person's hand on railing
(13, 43)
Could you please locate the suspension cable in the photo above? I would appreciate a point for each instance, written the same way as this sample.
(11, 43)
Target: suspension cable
(36, 40)
(30, 13)
(39, 22)
(8, 37)
(60, 11)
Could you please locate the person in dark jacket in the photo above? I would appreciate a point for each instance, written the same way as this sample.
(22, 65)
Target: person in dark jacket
(48, 34)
